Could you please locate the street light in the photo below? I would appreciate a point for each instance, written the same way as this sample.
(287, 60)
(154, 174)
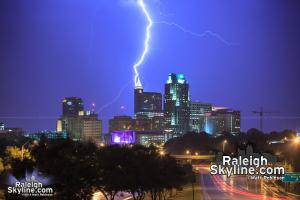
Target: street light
(187, 152)
(296, 140)
(162, 153)
(196, 154)
(224, 143)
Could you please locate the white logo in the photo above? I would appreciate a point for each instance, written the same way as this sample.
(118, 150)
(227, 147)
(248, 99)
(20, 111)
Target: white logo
(30, 187)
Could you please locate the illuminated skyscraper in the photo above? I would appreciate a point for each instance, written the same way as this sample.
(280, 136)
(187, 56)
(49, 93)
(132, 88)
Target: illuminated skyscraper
(138, 91)
(147, 103)
(79, 124)
(176, 104)
(72, 106)
(148, 114)
(69, 122)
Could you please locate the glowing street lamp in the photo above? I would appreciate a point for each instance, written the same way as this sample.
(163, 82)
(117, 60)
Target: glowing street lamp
(162, 153)
(224, 143)
(187, 152)
(196, 154)
(296, 140)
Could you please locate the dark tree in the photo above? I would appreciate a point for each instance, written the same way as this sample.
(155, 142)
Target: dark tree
(72, 166)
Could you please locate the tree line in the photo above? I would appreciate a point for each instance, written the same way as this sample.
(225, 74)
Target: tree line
(79, 169)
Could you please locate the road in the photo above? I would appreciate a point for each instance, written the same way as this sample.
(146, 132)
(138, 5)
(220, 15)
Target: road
(235, 188)
(222, 188)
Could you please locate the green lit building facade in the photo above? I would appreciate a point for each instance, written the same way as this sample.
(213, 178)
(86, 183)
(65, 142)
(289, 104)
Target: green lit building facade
(177, 104)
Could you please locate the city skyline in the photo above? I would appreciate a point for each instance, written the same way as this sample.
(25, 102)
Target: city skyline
(45, 58)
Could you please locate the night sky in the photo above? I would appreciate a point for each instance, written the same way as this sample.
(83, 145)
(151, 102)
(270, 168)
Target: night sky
(50, 49)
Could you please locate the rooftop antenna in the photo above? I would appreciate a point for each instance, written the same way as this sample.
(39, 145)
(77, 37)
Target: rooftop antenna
(93, 108)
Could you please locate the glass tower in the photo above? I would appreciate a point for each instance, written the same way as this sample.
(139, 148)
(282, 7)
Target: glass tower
(72, 106)
(147, 103)
(177, 104)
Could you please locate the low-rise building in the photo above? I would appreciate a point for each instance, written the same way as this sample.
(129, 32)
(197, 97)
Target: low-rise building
(51, 135)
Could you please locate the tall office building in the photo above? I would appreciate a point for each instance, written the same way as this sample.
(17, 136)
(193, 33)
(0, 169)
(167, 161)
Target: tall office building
(79, 124)
(90, 127)
(72, 106)
(197, 116)
(147, 103)
(148, 114)
(176, 104)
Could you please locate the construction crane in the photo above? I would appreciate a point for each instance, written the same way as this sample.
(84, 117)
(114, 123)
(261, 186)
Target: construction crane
(261, 114)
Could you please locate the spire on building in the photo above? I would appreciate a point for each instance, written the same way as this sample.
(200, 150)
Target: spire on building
(138, 84)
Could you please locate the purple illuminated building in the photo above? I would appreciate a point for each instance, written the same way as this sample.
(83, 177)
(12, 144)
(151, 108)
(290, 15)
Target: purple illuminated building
(122, 137)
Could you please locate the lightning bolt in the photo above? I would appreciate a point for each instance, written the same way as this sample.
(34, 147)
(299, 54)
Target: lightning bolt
(137, 81)
(205, 33)
(141, 4)
(141, 59)
(114, 99)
